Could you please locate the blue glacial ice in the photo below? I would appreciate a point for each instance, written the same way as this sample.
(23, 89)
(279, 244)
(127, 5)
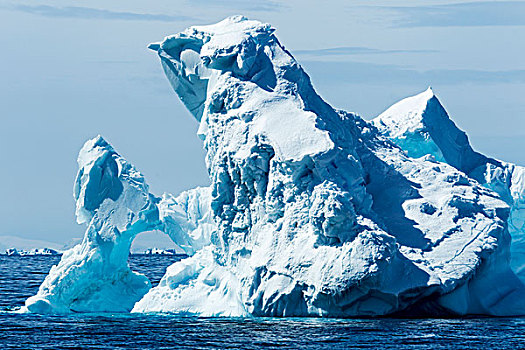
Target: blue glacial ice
(113, 199)
(311, 211)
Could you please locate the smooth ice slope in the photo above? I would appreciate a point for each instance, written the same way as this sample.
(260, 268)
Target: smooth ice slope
(420, 125)
(316, 212)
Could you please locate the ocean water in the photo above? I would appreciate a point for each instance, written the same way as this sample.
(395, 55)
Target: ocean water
(21, 276)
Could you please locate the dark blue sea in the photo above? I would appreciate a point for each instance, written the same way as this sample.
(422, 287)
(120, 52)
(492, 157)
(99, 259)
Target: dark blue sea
(21, 276)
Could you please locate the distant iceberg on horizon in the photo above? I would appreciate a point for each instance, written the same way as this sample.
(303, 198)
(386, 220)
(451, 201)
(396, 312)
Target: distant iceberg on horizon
(311, 211)
(32, 252)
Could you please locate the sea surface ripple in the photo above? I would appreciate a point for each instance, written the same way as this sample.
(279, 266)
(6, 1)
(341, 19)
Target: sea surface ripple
(20, 278)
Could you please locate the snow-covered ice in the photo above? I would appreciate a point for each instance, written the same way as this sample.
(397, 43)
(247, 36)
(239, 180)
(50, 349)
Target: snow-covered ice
(316, 213)
(421, 126)
(311, 211)
(113, 199)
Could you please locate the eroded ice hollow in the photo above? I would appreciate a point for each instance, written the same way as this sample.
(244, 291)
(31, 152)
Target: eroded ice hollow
(310, 212)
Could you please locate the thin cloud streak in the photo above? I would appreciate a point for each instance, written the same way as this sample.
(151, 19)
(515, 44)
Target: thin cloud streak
(93, 13)
(369, 73)
(472, 14)
(352, 50)
(241, 5)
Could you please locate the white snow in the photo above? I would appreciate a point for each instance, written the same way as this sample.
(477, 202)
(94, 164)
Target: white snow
(196, 285)
(406, 116)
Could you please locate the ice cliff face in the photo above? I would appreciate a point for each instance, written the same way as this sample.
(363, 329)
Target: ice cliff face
(310, 212)
(421, 126)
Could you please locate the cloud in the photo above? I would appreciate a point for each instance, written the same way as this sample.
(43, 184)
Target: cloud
(350, 50)
(349, 72)
(479, 13)
(241, 5)
(93, 13)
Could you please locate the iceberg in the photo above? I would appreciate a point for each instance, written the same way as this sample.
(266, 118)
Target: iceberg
(113, 199)
(317, 213)
(28, 245)
(311, 211)
(421, 126)
(157, 251)
(32, 252)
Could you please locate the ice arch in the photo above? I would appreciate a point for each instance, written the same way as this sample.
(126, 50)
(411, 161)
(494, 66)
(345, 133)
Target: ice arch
(421, 126)
(113, 199)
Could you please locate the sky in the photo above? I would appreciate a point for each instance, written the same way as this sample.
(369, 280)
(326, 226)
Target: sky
(70, 70)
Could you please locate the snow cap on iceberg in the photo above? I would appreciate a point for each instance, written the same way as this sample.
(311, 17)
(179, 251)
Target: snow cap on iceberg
(406, 116)
(200, 60)
(420, 125)
(192, 52)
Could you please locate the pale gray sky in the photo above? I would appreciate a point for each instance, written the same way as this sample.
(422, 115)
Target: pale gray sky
(72, 70)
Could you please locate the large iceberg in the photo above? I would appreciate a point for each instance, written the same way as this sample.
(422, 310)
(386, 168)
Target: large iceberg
(311, 211)
(421, 126)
